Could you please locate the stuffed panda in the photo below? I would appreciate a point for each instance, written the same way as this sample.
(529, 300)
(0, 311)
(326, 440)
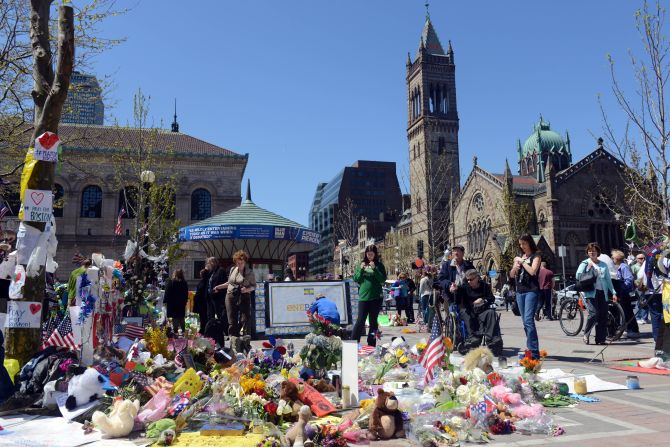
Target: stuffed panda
(85, 386)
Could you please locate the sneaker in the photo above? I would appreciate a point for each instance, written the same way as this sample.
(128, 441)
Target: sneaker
(632, 334)
(661, 355)
(641, 321)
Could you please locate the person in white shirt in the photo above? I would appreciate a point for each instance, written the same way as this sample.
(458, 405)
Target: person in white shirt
(425, 291)
(653, 296)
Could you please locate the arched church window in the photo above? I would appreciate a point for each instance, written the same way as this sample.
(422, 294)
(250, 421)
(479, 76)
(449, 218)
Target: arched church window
(431, 100)
(478, 201)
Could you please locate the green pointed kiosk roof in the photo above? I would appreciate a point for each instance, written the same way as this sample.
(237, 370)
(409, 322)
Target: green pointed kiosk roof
(248, 213)
(262, 233)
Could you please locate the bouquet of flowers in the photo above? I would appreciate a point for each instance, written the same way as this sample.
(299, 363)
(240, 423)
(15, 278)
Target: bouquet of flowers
(531, 365)
(321, 352)
(329, 435)
(322, 326)
(392, 359)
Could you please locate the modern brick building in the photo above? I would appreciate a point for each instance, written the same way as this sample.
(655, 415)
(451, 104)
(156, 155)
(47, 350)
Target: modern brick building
(84, 103)
(374, 191)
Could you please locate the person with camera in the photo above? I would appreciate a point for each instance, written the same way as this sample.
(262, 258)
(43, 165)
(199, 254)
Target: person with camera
(241, 282)
(370, 276)
(595, 282)
(452, 273)
(525, 274)
(474, 299)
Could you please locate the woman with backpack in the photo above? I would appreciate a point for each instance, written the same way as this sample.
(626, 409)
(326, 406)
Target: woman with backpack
(596, 282)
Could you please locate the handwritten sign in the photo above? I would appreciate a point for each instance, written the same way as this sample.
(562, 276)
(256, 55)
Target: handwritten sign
(18, 281)
(23, 314)
(37, 205)
(319, 405)
(46, 147)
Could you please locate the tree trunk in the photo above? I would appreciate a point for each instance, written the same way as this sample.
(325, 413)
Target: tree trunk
(49, 94)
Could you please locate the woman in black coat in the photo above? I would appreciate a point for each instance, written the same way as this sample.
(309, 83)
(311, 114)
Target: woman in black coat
(176, 297)
(200, 299)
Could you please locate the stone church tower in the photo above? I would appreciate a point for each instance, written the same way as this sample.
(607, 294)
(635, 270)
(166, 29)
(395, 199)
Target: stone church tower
(432, 133)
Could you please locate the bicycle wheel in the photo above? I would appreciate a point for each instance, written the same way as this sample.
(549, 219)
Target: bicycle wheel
(571, 317)
(615, 321)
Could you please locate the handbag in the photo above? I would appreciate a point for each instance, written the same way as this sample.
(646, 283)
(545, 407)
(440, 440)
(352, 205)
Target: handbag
(587, 282)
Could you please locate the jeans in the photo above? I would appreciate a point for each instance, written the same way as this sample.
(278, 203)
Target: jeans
(597, 307)
(640, 313)
(365, 309)
(423, 308)
(655, 314)
(527, 302)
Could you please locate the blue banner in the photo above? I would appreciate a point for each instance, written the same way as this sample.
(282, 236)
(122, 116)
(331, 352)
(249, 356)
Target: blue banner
(217, 232)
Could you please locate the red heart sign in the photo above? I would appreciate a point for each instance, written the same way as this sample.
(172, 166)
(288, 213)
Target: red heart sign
(34, 308)
(47, 140)
(37, 197)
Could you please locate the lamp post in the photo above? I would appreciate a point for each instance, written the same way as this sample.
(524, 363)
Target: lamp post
(148, 178)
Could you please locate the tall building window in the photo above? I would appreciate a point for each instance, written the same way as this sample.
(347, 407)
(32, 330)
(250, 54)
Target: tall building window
(91, 202)
(128, 202)
(58, 201)
(201, 204)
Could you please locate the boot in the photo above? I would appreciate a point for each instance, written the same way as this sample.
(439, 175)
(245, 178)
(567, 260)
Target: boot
(234, 343)
(246, 343)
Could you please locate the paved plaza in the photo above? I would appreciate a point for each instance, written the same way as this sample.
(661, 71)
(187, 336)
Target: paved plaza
(621, 418)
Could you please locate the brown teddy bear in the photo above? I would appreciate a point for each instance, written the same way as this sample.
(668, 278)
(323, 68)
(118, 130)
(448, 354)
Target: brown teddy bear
(322, 386)
(386, 420)
(289, 392)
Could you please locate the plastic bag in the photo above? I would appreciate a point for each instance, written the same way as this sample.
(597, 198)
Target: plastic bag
(541, 424)
(156, 408)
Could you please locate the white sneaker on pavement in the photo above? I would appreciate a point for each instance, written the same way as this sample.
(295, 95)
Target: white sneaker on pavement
(641, 321)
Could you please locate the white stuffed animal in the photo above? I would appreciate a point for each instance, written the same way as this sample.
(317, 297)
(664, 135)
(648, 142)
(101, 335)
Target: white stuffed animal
(120, 421)
(85, 386)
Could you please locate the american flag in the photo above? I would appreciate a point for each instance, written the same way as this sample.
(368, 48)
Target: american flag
(366, 350)
(132, 331)
(62, 336)
(482, 408)
(434, 353)
(118, 230)
(48, 327)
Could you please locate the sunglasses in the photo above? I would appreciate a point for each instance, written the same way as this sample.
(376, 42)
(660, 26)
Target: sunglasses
(472, 279)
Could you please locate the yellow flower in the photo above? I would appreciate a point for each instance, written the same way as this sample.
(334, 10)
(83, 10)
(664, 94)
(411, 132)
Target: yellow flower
(284, 372)
(403, 359)
(421, 346)
(399, 353)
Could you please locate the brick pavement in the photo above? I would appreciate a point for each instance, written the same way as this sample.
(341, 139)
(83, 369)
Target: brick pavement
(622, 418)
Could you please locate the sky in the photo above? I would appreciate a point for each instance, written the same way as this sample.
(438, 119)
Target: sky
(308, 87)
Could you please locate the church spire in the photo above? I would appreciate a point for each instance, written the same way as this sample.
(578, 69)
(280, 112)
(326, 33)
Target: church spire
(429, 40)
(175, 124)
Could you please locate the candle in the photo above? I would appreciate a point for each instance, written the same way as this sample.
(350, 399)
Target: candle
(502, 362)
(346, 396)
(633, 383)
(580, 385)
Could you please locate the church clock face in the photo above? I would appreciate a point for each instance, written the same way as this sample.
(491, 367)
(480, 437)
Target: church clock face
(478, 202)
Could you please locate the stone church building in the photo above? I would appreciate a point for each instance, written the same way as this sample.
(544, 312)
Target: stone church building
(565, 199)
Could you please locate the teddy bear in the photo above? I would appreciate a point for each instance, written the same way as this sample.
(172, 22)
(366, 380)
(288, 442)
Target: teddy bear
(119, 423)
(296, 436)
(289, 392)
(86, 385)
(386, 420)
(481, 358)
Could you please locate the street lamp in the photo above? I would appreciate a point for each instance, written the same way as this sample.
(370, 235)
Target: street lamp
(148, 178)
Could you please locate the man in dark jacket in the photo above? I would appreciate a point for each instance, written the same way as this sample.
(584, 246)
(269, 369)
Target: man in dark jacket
(474, 300)
(452, 273)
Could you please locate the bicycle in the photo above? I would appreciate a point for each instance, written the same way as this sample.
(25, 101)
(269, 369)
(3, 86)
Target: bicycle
(571, 317)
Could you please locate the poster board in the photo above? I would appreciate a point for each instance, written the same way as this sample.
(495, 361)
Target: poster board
(286, 303)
